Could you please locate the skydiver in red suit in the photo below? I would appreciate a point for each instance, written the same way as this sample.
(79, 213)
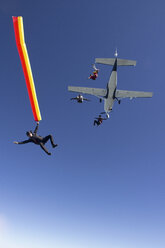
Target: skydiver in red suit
(94, 76)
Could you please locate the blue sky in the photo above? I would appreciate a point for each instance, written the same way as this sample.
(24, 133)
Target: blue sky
(102, 187)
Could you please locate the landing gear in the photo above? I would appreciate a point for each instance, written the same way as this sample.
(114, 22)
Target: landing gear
(100, 100)
(119, 101)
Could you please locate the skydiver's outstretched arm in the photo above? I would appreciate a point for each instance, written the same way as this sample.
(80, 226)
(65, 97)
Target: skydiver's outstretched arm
(36, 129)
(22, 142)
(94, 67)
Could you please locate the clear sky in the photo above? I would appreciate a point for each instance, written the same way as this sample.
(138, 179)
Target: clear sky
(103, 186)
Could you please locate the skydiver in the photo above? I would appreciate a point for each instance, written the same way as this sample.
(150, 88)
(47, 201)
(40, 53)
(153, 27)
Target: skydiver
(79, 99)
(38, 140)
(95, 73)
(99, 120)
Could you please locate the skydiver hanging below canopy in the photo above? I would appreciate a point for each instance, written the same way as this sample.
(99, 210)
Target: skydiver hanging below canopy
(95, 73)
(22, 50)
(38, 140)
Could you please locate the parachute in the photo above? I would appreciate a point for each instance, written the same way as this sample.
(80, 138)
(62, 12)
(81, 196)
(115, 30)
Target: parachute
(22, 50)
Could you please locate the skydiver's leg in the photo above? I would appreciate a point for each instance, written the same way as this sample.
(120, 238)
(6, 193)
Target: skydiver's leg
(44, 148)
(93, 77)
(45, 139)
(96, 122)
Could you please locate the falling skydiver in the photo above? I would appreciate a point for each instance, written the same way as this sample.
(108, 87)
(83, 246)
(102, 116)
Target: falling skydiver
(38, 140)
(94, 76)
(99, 120)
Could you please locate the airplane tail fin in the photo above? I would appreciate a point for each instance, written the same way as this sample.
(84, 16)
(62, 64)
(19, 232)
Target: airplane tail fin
(120, 62)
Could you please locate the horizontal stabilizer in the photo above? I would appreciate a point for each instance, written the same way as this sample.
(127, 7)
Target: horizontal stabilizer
(120, 62)
(132, 94)
(91, 91)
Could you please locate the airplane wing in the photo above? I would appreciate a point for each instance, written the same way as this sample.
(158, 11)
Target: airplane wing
(120, 62)
(132, 94)
(91, 91)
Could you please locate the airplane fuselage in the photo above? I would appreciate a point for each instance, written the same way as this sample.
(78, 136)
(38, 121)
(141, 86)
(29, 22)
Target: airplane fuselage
(111, 88)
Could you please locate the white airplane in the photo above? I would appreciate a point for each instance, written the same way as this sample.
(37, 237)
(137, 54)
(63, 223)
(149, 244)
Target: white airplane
(110, 94)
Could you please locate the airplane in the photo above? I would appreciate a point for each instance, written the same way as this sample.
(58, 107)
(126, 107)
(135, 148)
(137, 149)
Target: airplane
(79, 98)
(111, 93)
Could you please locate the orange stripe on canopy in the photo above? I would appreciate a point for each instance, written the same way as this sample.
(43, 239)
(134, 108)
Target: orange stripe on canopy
(22, 50)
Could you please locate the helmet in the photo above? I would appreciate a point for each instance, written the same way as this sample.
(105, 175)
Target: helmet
(28, 132)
